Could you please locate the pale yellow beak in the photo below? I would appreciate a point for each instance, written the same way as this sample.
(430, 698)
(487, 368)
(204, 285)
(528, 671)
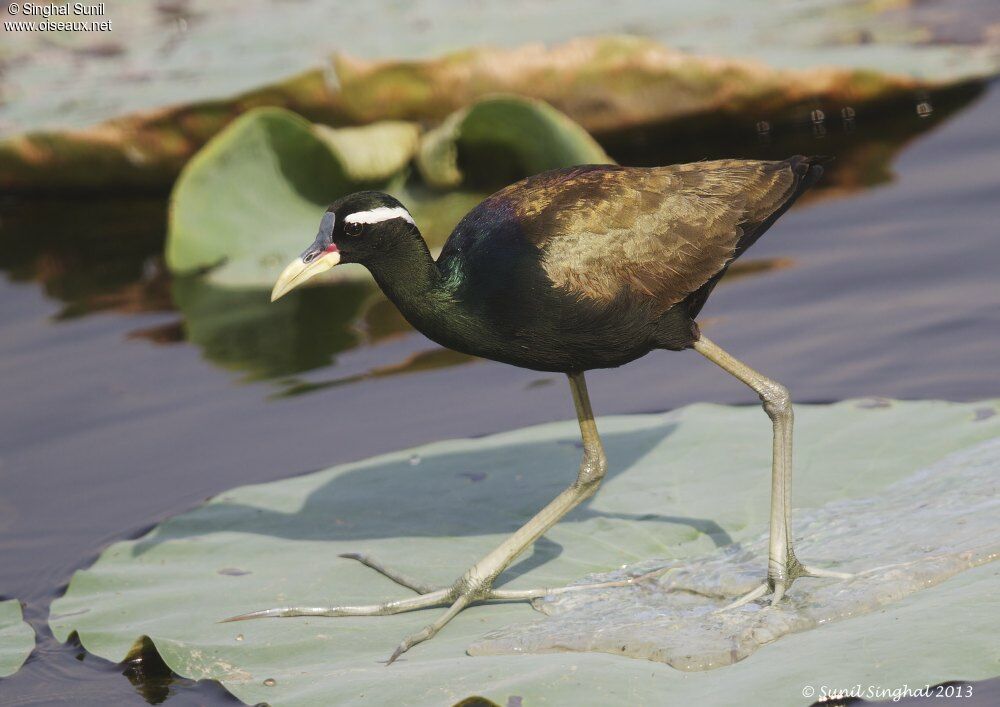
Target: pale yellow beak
(298, 271)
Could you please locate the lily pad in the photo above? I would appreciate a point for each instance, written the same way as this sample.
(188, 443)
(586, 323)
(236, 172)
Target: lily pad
(17, 638)
(504, 138)
(682, 485)
(374, 153)
(613, 84)
(952, 525)
(609, 85)
(161, 55)
(252, 197)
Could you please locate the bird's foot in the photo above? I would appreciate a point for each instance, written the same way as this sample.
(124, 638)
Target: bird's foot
(780, 578)
(457, 597)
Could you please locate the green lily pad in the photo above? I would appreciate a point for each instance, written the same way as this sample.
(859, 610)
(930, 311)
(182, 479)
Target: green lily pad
(17, 638)
(252, 198)
(504, 138)
(373, 153)
(610, 85)
(150, 59)
(616, 84)
(951, 525)
(681, 485)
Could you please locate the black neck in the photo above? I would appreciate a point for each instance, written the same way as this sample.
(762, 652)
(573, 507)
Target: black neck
(410, 278)
(405, 271)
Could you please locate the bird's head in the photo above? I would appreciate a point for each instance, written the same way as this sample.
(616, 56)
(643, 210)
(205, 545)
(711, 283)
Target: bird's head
(354, 229)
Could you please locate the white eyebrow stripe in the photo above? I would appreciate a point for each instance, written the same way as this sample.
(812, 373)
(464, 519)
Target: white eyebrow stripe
(382, 213)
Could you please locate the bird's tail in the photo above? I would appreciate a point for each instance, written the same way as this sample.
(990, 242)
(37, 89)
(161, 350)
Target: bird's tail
(809, 169)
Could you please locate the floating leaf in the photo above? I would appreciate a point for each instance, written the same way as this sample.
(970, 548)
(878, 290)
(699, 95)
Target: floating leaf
(952, 525)
(144, 151)
(17, 638)
(374, 153)
(609, 85)
(252, 198)
(615, 84)
(500, 140)
(118, 73)
(682, 485)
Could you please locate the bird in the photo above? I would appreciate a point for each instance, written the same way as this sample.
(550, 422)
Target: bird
(570, 270)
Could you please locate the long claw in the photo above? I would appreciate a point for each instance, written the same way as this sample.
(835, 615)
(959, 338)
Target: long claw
(262, 614)
(288, 611)
(402, 648)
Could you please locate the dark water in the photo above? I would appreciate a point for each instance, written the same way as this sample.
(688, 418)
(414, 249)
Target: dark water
(127, 397)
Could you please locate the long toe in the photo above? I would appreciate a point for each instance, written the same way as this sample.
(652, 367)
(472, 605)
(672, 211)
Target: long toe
(431, 630)
(779, 592)
(424, 601)
(750, 596)
(778, 588)
(399, 578)
(808, 571)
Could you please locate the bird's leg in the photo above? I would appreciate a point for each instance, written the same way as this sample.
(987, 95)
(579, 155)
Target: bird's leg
(783, 567)
(477, 582)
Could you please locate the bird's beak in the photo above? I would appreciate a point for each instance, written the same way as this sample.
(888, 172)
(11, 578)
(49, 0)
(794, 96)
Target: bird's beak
(315, 260)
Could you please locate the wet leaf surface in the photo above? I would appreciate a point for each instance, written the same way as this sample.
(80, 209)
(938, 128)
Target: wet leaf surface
(680, 485)
(914, 534)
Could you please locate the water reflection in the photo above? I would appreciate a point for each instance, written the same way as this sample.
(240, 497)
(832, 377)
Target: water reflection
(864, 142)
(88, 254)
(153, 679)
(94, 255)
(426, 360)
(242, 330)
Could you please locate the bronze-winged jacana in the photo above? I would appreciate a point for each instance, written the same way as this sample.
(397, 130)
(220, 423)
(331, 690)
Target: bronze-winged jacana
(569, 270)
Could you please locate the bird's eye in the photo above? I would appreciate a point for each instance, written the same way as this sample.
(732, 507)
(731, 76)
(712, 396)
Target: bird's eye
(353, 228)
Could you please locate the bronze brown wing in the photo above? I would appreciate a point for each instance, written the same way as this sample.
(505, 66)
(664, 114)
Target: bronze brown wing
(660, 233)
